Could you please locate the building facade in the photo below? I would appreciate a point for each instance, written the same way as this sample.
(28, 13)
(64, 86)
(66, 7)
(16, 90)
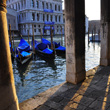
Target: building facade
(12, 19)
(31, 14)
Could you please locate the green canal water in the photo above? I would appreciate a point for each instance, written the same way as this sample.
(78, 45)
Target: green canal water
(39, 75)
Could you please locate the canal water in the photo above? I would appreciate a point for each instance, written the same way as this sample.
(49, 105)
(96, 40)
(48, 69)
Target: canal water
(39, 74)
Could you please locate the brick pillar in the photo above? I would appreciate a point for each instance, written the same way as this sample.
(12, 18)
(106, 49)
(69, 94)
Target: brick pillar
(105, 33)
(75, 40)
(8, 97)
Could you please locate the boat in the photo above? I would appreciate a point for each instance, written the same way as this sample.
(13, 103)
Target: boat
(43, 51)
(60, 50)
(95, 38)
(23, 52)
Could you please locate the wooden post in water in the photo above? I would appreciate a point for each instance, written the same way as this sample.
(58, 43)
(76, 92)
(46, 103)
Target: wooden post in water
(61, 36)
(13, 39)
(94, 32)
(92, 35)
(41, 34)
(51, 38)
(28, 35)
(88, 35)
(10, 38)
(33, 39)
(99, 34)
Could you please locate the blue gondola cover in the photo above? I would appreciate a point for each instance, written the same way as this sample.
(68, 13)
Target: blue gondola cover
(48, 51)
(61, 48)
(49, 23)
(48, 10)
(23, 46)
(24, 54)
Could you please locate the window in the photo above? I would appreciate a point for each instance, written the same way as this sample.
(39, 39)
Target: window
(59, 8)
(43, 5)
(51, 6)
(59, 18)
(55, 7)
(37, 17)
(37, 4)
(56, 18)
(39, 27)
(47, 17)
(33, 16)
(34, 28)
(43, 17)
(51, 18)
(32, 3)
(46, 5)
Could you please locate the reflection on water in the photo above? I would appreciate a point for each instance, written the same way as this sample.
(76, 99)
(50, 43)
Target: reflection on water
(39, 74)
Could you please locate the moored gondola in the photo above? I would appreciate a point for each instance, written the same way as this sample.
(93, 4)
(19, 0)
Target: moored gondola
(23, 52)
(42, 50)
(60, 50)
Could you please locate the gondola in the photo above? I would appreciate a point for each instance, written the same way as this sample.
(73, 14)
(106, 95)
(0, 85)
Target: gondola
(23, 52)
(42, 50)
(60, 50)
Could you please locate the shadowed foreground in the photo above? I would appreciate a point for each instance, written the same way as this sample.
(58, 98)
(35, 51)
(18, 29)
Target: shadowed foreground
(92, 94)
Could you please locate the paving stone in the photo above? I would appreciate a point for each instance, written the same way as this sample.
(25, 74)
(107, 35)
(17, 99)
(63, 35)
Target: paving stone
(64, 102)
(96, 94)
(86, 101)
(42, 107)
(89, 108)
(81, 107)
(52, 104)
(57, 99)
(98, 105)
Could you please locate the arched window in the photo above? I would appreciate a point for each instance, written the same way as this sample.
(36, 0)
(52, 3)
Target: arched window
(32, 3)
(43, 17)
(33, 16)
(56, 18)
(46, 5)
(59, 8)
(55, 7)
(37, 17)
(43, 5)
(47, 17)
(59, 18)
(51, 6)
(37, 4)
(51, 18)
(18, 6)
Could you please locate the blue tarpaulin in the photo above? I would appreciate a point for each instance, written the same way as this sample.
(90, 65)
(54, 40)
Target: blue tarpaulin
(49, 23)
(23, 46)
(48, 51)
(45, 41)
(48, 28)
(48, 10)
(61, 48)
(24, 54)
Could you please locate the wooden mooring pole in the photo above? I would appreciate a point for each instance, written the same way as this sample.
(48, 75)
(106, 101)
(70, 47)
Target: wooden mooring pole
(92, 35)
(61, 36)
(41, 34)
(28, 36)
(33, 39)
(88, 35)
(51, 38)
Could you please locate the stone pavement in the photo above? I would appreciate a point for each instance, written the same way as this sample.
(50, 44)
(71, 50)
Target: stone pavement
(92, 94)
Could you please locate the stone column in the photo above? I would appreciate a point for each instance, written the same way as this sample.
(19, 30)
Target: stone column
(75, 40)
(105, 33)
(8, 95)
